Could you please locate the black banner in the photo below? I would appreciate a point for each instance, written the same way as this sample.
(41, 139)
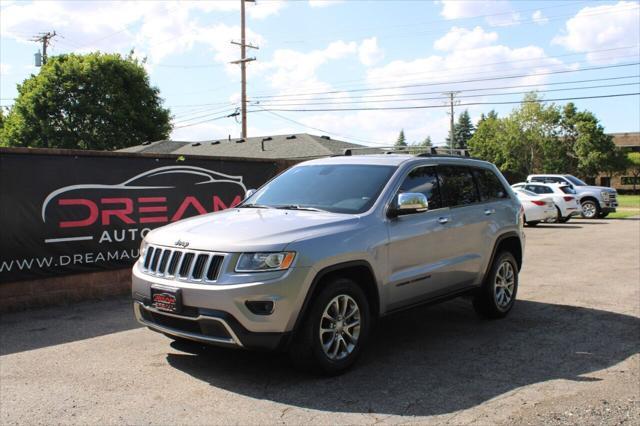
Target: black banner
(64, 214)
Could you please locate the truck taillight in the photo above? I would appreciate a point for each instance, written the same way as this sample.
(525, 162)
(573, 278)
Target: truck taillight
(567, 198)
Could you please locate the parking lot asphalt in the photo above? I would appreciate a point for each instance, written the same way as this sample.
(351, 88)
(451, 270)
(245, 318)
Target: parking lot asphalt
(567, 354)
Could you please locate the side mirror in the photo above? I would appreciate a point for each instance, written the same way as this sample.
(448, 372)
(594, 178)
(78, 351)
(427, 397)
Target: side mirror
(249, 193)
(409, 203)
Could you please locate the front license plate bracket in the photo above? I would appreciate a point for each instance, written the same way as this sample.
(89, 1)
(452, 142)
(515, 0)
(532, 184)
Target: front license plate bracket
(168, 299)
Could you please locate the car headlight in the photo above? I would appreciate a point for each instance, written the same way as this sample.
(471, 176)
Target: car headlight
(605, 195)
(261, 262)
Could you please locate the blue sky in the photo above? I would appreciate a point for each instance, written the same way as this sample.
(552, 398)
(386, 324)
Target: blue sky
(359, 51)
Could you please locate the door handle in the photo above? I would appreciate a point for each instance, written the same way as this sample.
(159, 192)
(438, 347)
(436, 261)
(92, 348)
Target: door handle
(443, 220)
(489, 211)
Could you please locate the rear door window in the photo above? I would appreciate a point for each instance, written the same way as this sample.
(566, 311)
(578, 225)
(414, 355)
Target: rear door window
(539, 189)
(489, 185)
(424, 180)
(458, 186)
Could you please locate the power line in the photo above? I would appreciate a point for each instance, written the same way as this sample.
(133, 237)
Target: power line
(207, 121)
(208, 114)
(271, 102)
(465, 90)
(601, 86)
(455, 82)
(441, 106)
(476, 68)
(318, 129)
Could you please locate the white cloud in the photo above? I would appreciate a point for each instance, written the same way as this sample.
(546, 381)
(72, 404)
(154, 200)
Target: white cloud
(462, 38)
(323, 3)
(290, 68)
(496, 12)
(539, 18)
(156, 29)
(369, 52)
(602, 27)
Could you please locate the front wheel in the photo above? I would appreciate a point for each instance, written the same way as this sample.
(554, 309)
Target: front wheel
(590, 209)
(565, 219)
(533, 223)
(603, 215)
(497, 295)
(334, 329)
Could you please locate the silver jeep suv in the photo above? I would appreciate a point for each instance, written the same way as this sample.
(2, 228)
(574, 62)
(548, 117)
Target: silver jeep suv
(312, 259)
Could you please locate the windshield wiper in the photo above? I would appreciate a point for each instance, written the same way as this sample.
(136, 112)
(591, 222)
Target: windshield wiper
(255, 206)
(299, 207)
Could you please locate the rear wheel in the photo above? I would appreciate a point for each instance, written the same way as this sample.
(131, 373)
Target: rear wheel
(590, 209)
(497, 295)
(565, 219)
(334, 329)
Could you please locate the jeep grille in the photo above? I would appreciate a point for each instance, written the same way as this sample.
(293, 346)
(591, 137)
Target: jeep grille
(180, 264)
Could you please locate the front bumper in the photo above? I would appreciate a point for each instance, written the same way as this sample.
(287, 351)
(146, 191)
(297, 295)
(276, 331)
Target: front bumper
(206, 326)
(285, 290)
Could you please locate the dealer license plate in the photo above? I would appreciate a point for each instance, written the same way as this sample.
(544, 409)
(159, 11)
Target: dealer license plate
(166, 299)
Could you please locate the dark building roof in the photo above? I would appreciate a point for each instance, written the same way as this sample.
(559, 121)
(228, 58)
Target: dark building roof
(300, 145)
(626, 140)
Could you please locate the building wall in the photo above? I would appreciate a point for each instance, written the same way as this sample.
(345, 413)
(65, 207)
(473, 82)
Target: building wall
(629, 142)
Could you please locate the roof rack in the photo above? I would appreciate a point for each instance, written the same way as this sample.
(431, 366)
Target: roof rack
(428, 152)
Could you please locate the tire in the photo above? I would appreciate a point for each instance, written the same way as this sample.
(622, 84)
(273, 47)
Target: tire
(533, 223)
(558, 218)
(489, 301)
(590, 209)
(565, 219)
(334, 352)
(602, 215)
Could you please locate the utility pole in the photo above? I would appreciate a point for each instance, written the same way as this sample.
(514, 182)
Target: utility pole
(45, 39)
(452, 135)
(243, 66)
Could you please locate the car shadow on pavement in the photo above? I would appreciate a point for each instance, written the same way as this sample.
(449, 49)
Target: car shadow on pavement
(38, 328)
(433, 360)
(585, 222)
(554, 226)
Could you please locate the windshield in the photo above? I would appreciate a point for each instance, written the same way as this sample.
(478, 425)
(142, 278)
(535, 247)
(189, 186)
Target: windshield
(574, 180)
(338, 188)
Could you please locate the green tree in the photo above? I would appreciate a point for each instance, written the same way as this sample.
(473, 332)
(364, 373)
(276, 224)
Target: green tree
(634, 167)
(401, 142)
(426, 143)
(463, 130)
(95, 101)
(593, 147)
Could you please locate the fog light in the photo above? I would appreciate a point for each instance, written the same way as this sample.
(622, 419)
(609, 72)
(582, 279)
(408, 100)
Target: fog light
(260, 307)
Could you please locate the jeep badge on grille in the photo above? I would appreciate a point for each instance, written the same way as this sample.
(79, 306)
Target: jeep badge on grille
(183, 244)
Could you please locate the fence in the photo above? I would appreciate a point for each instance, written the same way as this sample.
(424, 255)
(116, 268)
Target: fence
(66, 212)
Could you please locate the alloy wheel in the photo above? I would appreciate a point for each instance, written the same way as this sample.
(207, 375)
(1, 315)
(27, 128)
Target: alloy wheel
(589, 209)
(505, 283)
(340, 327)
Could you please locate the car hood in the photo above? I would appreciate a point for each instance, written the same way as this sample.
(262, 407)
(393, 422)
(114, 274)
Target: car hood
(594, 188)
(249, 229)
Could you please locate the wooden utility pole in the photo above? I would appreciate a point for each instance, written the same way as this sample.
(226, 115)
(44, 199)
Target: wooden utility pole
(243, 66)
(452, 135)
(45, 39)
